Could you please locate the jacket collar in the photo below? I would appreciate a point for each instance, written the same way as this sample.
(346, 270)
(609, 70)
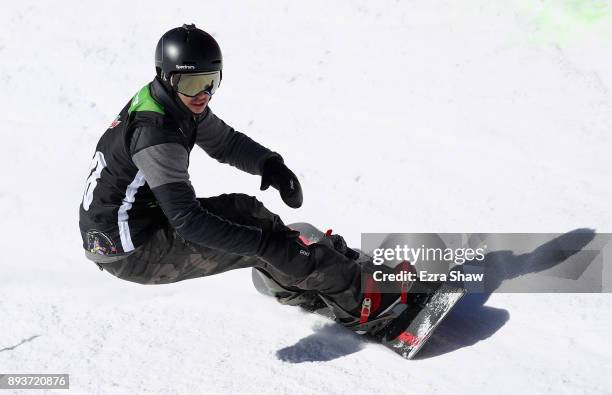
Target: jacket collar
(172, 104)
(169, 101)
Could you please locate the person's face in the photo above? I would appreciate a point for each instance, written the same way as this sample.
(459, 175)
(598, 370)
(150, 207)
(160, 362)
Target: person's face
(196, 104)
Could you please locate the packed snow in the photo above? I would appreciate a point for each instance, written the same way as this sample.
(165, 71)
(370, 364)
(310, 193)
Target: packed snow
(397, 116)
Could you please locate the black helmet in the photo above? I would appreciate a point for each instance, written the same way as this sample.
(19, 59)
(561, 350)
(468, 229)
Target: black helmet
(187, 49)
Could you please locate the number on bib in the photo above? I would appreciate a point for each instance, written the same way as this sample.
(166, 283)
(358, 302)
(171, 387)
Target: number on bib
(98, 163)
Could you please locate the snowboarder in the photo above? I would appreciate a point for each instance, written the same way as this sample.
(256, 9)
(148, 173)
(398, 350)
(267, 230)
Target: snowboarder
(141, 221)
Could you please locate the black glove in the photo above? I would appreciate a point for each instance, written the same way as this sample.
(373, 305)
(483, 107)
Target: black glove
(275, 173)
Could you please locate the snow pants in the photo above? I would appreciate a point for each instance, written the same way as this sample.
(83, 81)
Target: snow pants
(166, 257)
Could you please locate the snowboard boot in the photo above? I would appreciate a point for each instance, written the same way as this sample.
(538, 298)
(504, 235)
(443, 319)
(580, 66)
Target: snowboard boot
(379, 302)
(338, 243)
(334, 241)
(292, 296)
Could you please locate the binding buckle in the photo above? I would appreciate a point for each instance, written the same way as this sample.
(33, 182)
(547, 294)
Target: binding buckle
(365, 310)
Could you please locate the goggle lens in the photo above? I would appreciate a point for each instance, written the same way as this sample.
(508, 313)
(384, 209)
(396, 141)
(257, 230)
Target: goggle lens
(193, 84)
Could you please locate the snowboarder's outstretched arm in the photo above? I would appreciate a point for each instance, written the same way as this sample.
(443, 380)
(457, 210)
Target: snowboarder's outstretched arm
(165, 169)
(226, 145)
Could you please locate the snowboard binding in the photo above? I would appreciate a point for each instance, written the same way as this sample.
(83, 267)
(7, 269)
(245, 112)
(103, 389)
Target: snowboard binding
(312, 301)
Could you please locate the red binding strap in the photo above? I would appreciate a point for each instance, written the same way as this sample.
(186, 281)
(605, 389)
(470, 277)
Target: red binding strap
(404, 266)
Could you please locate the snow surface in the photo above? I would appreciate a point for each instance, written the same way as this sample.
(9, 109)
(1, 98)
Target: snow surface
(405, 116)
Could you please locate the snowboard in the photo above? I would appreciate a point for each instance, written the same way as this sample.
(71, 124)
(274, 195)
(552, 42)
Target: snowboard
(406, 335)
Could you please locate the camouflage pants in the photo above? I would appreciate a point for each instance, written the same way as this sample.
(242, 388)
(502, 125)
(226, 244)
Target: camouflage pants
(166, 257)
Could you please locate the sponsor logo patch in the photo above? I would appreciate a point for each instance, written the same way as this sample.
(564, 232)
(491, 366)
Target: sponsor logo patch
(100, 243)
(114, 123)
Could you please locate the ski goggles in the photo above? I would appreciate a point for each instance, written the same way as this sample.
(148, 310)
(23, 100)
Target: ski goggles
(193, 84)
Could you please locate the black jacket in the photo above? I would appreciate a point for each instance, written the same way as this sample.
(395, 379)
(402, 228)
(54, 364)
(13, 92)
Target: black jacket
(138, 178)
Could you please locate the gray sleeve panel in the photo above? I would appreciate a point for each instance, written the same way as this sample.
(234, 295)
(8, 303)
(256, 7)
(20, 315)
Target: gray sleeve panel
(226, 145)
(163, 164)
(165, 169)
